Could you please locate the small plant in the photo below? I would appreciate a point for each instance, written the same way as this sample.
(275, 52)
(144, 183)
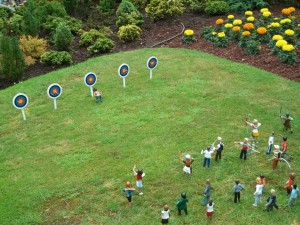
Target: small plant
(287, 54)
(221, 40)
(252, 47)
(207, 34)
(188, 37)
(52, 8)
(102, 45)
(56, 58)
(53, 21)
(140, 4)
(216, 8)
(246, 36)
(90, 37)
(63, 37)
(129, 33)
(128, 14)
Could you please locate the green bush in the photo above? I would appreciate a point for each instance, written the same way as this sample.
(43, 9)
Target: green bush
(161, 9)
(50, 9)
(127, 13)
(30, 22)
(242, 5)
(5, 13)
(90, 37)
(196, 7)
(252, 47)
(216, 8)
(70, 5)
(129, 33)
(12, 61)
(52, 22)
(106, 5)
(140, 4)
(56, 58)
(14, 25)
(102, 45)
(63, 37)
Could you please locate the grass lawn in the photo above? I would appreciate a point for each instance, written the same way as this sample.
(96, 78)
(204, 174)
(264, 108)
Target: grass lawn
(68, 166)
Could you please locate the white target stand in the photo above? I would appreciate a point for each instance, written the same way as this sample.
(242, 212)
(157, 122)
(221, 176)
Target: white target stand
(20, 101)
(123, 72)
(54, 91)
(151, 64)
(90, 80)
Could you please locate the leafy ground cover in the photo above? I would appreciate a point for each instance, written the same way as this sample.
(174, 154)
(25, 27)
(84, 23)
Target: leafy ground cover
(68, 166)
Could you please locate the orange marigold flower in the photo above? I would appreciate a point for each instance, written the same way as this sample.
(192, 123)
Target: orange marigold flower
(246, 33)
(236, 29)
(292, 9)
(261, 30)
(219, 21)
(286, 11)
(248, 26)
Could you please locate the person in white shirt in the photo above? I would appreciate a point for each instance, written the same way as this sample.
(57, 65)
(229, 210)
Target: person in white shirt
(210, 209)
(258, 192)
(270, 143)
(207, 156)
(165, 215)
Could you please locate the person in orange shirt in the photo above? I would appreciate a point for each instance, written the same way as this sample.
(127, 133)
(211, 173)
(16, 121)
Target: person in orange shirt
(289, 184)
(262, 181)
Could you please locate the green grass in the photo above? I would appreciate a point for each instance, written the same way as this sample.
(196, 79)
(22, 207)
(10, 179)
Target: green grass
(68, 166)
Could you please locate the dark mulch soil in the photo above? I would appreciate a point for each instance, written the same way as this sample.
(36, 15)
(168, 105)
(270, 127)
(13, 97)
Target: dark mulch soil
(156, 32)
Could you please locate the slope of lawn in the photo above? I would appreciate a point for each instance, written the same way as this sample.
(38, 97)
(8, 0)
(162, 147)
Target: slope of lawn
(68, 166)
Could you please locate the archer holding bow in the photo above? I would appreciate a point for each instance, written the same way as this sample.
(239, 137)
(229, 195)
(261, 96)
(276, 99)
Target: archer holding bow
(287, 122)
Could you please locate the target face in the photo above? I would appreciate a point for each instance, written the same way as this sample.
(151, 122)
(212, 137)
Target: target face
(90, 79)
(123, 70)
(54, 91)
(20, 101)
(152, 62)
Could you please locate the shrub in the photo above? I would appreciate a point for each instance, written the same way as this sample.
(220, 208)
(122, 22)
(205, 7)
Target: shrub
(5, 13)
(161, 9)
(140, 4)
(106, 5)
(252, 47)
(196, 7)
(241, 5)
(129, 33)
(128, 14)
(32, 48)
(56, 58)
(70, 5)
(216, 8)
(12, 61)
(63, 37)
(31, 24)
(53, 21)
(50, 9)
(102, 45)
(14, 25)
(90, 37)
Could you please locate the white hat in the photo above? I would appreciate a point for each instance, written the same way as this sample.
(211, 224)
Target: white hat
(255, 121)
(219, 138)
(187, 156)
(276, 146)
(246, 139)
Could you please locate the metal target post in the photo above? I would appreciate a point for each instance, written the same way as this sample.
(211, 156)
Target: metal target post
(123, 72)
(54, 91)
(151, 64)
(90, 80)
(20, 101)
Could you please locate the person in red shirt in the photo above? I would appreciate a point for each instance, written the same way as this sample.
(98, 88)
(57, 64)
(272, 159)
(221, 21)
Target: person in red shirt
(289, 184)
(139, 174)
(284, 145)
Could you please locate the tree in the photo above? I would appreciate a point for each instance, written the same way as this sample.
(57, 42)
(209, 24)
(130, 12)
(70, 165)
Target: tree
(63, 37)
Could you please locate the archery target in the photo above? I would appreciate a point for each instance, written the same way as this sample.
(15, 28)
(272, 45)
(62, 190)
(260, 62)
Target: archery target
(54, 90)
(90, 79)
(20, 101)
(123, 70)
(152, 62)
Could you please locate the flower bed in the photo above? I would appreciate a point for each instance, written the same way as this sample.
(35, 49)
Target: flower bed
(281, 34)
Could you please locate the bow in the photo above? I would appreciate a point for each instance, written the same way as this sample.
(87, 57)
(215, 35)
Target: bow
(280, 115)
(246, 122)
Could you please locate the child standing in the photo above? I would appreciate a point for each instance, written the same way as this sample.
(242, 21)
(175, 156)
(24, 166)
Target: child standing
(188, 164)
(270, 143)
(210, 209)
(289, 184)
(139, 174)
(287, 122)
(262, 182)
(220, 148)
(165, 215)
(255, 134)
(271, 201)
(277, 156)
(245, 147)
(237, 191)
(128, 190)
(98, 95)
(284, 146)
(258, 192)
(295, 192)
(207, 156)
(182, 204)
(207, 192)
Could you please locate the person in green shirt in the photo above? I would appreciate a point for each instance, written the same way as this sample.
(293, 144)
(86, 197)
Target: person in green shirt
(182, 204)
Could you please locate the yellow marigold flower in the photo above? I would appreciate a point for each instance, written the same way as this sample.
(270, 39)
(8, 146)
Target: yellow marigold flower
(228, 25)
(289, 32)
(286, 11)
(298, 25)
(269, 26)
(277, 37)
(261, 30)
(189, 32)
(281, 43)
(248, 26)
(275, 24)
(237, 22)
(230, 17)
(221, 34)
(288, 48)
(213, 33)
(250, 19)
(248, 13)
(292, 9)
(219, 21)
(276, 18)
(283, 21)
(266, 14)
(236, 29)
(264, 10)
(246, 33)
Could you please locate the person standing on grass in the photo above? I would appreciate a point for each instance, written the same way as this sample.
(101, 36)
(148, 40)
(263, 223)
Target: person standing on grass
(245, 147)
(294, 193)
(258, 192)
(188, 160)
(220, 148)
(139, 174)
(270, 143)
(262, 181)
(287, 122)
(289, 184)
(98, 95)
(271, 201)
(255, 134)
(237, 191)
(207, 156)
(165, 215)
(209, 209)
(128, 191)
(182, 204)
(207, 192)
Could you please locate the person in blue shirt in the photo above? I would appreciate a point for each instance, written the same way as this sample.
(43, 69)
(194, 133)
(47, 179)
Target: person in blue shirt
(294, 193)
(128, 191)
(237, 191)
